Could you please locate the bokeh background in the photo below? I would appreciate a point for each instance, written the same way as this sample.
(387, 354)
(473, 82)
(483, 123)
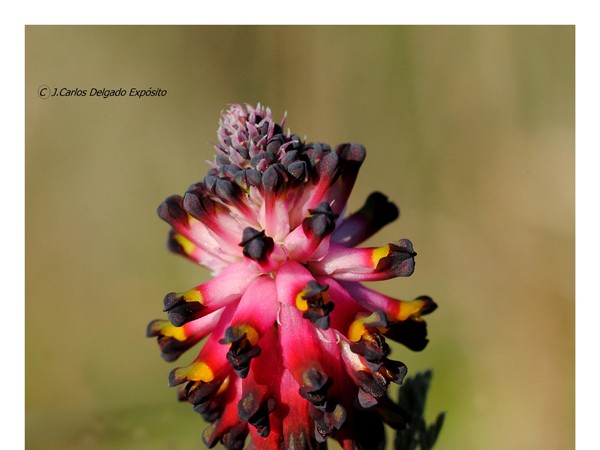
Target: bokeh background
(469, 129)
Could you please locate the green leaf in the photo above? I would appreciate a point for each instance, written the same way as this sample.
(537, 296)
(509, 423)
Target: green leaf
(411, 403)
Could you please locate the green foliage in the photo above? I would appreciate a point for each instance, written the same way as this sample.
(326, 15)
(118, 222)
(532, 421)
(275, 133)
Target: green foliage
(411, 401)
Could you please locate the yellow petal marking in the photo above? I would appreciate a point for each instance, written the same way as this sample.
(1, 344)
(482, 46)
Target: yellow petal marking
(409, 309)
(356, 330)
(378, 253)
(193, 295)
(187, 245)
(174, 332)
(199, 371)
(224, 385)
(301, 303)
(251, 333)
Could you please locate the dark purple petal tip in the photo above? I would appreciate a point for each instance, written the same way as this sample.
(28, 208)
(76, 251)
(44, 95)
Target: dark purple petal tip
(255, 244)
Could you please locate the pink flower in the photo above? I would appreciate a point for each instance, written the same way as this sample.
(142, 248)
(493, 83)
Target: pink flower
(296, 346)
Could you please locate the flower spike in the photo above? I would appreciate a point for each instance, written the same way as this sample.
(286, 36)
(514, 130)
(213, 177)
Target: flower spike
(296, 349)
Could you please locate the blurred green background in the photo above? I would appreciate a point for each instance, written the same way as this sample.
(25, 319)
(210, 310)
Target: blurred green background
(469, 129)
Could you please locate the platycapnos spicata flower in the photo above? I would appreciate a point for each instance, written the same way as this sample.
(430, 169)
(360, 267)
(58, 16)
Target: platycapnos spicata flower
(296, 346)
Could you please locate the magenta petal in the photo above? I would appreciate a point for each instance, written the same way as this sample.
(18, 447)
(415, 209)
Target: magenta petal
(274, 216)
(205, 254)
(302, 247)
(367, 264)
(394, 309)
(301, 350)
(255, 314)
(291, 279)
(215, 216)
(226, 287)
(211, 364)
